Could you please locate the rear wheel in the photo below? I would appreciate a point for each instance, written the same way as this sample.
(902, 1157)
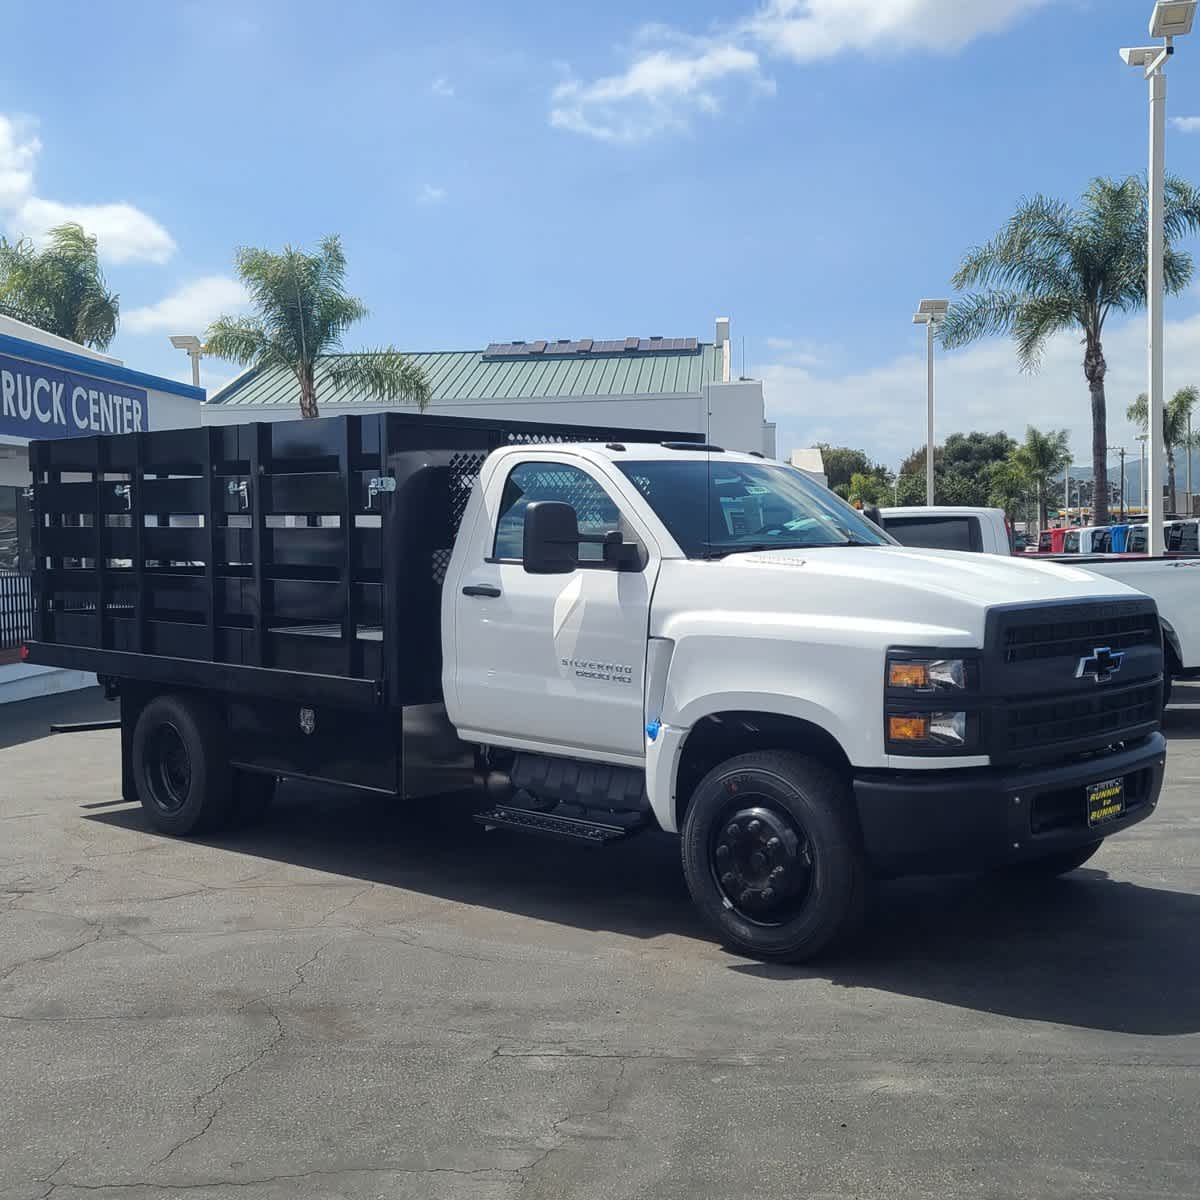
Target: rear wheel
(180, 766)
(772, 856)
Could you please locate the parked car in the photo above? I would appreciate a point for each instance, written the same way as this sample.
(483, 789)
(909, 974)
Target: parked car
(949, 527)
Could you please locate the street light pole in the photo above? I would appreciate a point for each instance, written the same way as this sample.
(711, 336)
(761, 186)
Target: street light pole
(929, 414)
(1154, 311)
(195, 351)
(1121, 451)
(930, 313)
(1170, 19)
(1189, 464)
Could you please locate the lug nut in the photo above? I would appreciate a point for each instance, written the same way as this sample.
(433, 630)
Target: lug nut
(722, 854)
(773, 843)
(728, 879)
(755, 827)
(768, 894)
(733, 830)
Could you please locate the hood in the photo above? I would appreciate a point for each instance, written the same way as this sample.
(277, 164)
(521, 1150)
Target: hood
(987, 579)
(892, 594)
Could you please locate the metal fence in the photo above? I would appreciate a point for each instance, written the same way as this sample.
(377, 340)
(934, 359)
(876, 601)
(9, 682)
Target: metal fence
(16, 610)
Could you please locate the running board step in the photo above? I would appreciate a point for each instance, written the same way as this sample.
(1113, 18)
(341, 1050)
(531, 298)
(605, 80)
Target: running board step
(572, 829)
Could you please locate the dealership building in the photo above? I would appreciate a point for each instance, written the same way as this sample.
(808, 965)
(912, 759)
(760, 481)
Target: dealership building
(682, 384)
(53, 388)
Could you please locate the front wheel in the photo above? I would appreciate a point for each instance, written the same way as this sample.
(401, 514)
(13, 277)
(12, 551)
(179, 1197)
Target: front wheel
(772, 856)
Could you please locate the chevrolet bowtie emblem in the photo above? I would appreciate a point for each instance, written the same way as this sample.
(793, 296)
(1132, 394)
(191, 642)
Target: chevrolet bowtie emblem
(1102, 664)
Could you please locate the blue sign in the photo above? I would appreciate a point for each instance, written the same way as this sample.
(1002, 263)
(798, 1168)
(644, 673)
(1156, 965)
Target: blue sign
(44, 402)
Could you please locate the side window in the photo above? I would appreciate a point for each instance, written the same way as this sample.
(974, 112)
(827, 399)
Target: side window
(553, 481)
(1071, 542)
(936, 533)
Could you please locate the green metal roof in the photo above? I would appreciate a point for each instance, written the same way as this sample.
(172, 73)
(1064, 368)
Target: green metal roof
(485, 375)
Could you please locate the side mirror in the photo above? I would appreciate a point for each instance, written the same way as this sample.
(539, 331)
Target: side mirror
(620, 554)
(551, 541)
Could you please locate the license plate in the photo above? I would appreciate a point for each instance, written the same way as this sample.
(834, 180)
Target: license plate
(1105, 801)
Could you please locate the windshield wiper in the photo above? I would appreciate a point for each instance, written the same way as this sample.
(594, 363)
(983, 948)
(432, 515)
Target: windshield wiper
(721, 549)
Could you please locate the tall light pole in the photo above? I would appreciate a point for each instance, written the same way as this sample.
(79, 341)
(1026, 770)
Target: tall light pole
(1121, 451)
(195, 351)
(1190, 448)
(1141, 437)
(930, 313)
(1168, 21)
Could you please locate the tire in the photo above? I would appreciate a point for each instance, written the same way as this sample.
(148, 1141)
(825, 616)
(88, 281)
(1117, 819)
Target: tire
(796, 884)
(180, 766)
(1054, 864)
(253, 796)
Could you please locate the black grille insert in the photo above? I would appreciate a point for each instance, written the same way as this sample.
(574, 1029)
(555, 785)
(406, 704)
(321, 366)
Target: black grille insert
(1066, 808)
(1079, 718)
(1079, 636)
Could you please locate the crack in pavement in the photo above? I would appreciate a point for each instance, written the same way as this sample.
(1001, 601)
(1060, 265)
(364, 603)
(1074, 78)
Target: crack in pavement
(605, 1110)
(497, 1173)
(274, 1043)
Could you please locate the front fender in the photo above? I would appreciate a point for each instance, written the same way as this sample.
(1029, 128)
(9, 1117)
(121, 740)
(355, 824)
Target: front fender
(664, 743)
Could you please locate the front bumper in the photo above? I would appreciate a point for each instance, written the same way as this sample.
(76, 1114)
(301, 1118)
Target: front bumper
(936, 822)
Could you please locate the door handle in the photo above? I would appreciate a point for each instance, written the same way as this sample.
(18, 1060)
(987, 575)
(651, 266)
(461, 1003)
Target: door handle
(481, 589)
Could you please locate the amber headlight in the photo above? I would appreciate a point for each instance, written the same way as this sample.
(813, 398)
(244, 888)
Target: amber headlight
(926, 675)
(932, 702)
(927, 729)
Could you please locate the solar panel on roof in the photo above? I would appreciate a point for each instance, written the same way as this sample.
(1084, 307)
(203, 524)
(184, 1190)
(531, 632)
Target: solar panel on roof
(565, 347)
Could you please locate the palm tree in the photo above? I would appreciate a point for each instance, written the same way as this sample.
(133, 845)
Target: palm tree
(1041, 456)
(61, 288)
(1054, 268)
(1176, 412)
(302, 310)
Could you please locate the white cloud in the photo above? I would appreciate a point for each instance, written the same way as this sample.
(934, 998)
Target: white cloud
(442, 87)
(672, 75)
(1186, 124)
(882, 409)
(431, 195)
(657, 93)
(807, 30)
(190, 309)
(124, 233)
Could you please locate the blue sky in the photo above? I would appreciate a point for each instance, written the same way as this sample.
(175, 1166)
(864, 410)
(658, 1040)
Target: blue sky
(810, 168)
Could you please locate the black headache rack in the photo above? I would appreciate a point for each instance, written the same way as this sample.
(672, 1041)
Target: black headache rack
(301, 560)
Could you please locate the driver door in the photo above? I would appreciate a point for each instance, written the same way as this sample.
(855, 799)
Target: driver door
(555, 662)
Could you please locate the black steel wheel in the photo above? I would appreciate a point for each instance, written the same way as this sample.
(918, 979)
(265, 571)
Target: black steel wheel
(168, 768)
(762, 860)
(772, 855)
(180, 765)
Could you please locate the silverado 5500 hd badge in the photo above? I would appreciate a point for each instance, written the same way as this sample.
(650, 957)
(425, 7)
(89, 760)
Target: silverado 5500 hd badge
(605, 672)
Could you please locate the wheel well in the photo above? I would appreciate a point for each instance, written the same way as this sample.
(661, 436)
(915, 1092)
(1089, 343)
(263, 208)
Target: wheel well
(720, 736)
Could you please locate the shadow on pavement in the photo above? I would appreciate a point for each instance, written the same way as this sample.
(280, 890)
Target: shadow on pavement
(1085, 950)
(28, 720)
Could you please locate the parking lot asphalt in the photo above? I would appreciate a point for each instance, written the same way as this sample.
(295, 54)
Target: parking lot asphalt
(363, 1001)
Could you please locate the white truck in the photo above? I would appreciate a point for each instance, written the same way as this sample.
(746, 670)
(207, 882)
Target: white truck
(1173, 582)
(594, 638)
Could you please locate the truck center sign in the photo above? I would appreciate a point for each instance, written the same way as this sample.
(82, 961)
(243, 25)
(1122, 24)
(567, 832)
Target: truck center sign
(38, 401)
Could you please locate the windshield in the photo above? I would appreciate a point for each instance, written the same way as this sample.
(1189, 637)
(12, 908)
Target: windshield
(719, 507)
